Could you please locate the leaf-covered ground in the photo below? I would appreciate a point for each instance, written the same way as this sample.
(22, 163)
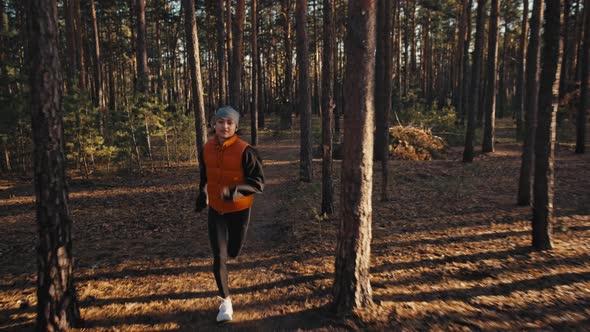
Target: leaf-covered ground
(450, 251)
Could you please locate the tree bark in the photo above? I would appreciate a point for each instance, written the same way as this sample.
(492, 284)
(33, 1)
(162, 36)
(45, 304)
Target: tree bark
(286, 112)
(565, 59)
(141, 51)
(533, 62)
(238, 55)
(57, 307)
(192, 46)
(303, 93)
(255, 87)
(98, 102)
(352, 288)
(502, 92)
(465, 82)
(383, 72)
(476, 84)
(328, 105)
(489, 134)
(221, 53)
(519, 105)
(545, 135)
(229, 45)
(584, 105)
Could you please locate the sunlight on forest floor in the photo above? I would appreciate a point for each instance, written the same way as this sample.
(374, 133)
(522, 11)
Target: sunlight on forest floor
(450, 250)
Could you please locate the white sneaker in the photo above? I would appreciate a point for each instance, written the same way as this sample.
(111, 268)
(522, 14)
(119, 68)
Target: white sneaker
(225, 310)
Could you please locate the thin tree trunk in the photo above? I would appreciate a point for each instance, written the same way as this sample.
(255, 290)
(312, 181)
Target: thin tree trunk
(476, 85)
(519, 105)
(159, 80)
(229, 45)
(221, 53)
(192, 47)
(565, 59)
(490, 122)
(545, 135)
(238, 55)
(7, 164)
(303, 93)
(465, 82)
(458, 61)
(262, 105)
(57, 308)
(383, 71)
(352, 288)
(533, 62)
(286, 112)
(502, 93)
(328, 105)
(584, 105)
(99, 102)
(134, 144)
(141, 52)
(255, 87)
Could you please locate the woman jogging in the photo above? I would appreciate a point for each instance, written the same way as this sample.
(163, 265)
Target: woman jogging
(231, 173)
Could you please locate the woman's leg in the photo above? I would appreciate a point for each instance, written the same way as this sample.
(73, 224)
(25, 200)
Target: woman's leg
(237, 226)
(218, 239)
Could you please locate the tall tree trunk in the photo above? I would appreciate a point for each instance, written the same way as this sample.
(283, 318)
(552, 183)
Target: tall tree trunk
(476, 84)
(262, 105)
(465, 82)
(380, 74)
(221, 53)
(383, 72)
(458, 58)
(519, 105)
(545, 135)
(412, 31)
(238, 55)
(317, 103)
(5, 86)
(576, 64)
(141, 51)
(489, 134)
(502, 92)
(286, 112)
(303, 93)
(192, 47)
(533, 61)
(255, 87)
(398, 57)
(99, 102)
(328, 105)
(229, 45)
(565, 59)
(585, 65)
(352, 288)
(159, 79)
(57, 305)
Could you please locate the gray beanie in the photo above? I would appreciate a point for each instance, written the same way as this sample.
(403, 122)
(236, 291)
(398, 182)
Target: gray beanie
(228, 112)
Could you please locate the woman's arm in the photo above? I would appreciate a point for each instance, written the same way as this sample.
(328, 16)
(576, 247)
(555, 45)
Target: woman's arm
(253, 176)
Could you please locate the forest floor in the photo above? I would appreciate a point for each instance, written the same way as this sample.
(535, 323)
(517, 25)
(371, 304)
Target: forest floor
(450, 251)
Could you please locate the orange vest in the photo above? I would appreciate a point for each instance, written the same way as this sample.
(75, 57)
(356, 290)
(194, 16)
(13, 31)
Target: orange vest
(224, 169)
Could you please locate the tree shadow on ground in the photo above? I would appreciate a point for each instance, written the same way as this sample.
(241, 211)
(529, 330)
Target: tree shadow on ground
(204, 320)
(498, 289)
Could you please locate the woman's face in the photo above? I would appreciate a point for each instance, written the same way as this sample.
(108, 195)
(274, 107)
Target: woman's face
(225, 128)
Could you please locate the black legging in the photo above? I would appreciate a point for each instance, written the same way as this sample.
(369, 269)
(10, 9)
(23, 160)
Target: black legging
(227, 234)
